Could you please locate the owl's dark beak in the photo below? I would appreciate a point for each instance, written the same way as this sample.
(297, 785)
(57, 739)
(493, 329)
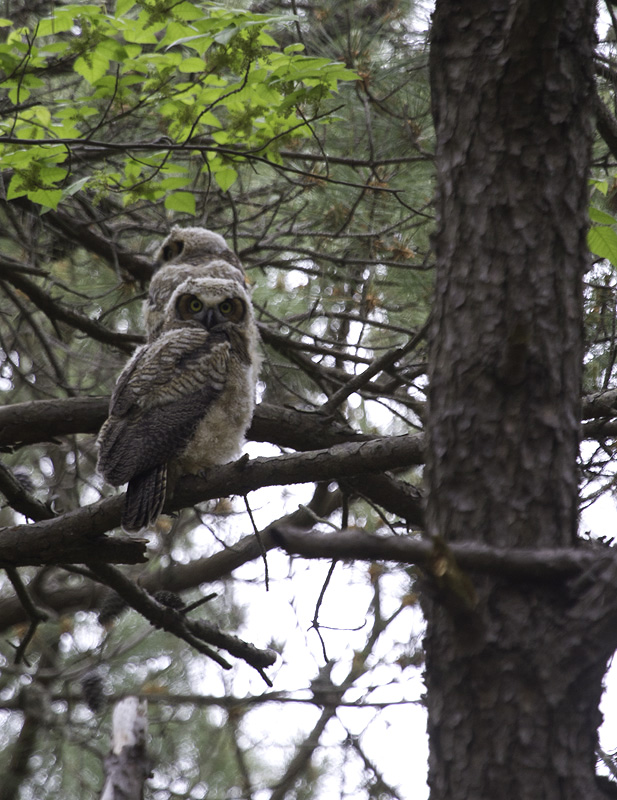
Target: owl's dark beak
(207, 317)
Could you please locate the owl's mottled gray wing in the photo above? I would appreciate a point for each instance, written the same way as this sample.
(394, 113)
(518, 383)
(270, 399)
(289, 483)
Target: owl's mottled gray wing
(159, 399)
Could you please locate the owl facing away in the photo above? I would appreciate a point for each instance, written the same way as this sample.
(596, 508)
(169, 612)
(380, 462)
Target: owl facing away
(187, 253)
(184, 401)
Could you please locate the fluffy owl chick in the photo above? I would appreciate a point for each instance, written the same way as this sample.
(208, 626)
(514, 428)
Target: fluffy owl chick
(184, 400)
(193, 245)
(187, 253)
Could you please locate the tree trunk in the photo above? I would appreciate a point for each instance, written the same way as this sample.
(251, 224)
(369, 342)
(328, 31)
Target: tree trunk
(513, 685)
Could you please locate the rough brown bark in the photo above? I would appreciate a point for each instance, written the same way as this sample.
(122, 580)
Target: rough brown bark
(512, 101)
(514, 686)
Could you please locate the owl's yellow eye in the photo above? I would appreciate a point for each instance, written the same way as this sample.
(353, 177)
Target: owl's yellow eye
(188, 306)
(232, 309)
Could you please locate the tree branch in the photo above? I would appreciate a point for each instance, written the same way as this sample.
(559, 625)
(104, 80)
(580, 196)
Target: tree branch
(303, 756)
(198, 633)
(19, 499)
(76, 536)
(183, 576)
(80, 232)
(602, 404)
(356, 544)
(42, 420)
(55, 311)
(606, 125)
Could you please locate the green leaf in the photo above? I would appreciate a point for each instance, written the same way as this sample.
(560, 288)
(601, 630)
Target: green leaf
(266, 40)
(181, 201)
(110, 49)
(174, 182)
(209, 119)
(140, 32)
(42, 114)
(61, 22)
(122, 6)
(18, 95)
(132, 50)
(200, 42)
(46, 197)
(602, 241)
(601, 186)
(225, 36)
(225, 177)
(15, 188)
(92, 68)
(188, 11)
(144, 57)
(595, 215)
(51, 174)
(192, 65)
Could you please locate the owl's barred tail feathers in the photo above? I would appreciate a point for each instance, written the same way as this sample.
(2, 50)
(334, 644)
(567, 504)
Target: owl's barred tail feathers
(145, 496)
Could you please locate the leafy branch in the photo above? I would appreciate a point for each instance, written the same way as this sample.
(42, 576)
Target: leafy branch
(219, 75)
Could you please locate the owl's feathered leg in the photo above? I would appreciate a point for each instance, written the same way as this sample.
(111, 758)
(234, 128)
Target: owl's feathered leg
(145, 496)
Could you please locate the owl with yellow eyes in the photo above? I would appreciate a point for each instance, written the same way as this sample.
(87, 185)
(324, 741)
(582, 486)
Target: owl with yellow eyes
(186, 253)
(184, 401)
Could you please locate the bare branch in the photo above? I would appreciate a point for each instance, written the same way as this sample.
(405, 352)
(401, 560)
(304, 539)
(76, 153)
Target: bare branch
(55, 311)
(74, 537)
(303, 756)
(356, 544)
(183, 576)
(35, 614)
(81, 232)
(77, 536)
(198, 633)
(19, 499)
(42, 420)
(602, 404)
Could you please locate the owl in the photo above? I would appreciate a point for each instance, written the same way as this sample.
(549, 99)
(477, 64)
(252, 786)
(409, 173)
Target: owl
(187, 253)
(184, 400)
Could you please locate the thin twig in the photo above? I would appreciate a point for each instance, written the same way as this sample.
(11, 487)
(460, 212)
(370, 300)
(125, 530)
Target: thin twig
(262, 548)
(36, 614)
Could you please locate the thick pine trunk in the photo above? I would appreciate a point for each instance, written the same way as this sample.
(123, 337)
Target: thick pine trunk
(513, 687)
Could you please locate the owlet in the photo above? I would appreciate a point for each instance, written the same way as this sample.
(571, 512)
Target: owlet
(187, 253)
(184, 400)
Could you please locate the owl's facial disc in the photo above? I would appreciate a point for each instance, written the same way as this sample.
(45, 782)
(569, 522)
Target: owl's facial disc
(190, 307)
